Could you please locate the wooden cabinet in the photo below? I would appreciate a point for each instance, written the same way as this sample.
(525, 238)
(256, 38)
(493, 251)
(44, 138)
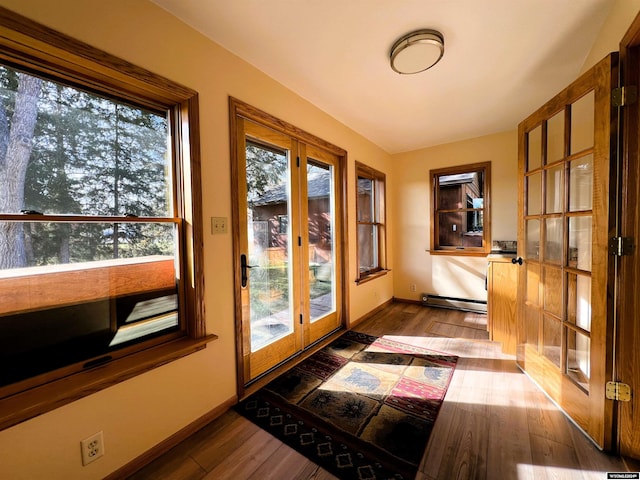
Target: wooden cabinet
(502, 286)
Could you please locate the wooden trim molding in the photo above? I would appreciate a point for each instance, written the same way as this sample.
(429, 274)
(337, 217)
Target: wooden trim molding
(371, 276)
(627, 336)
(242, 109)
(458, 253)
(484, 250)
(31, 403)
(371, 313)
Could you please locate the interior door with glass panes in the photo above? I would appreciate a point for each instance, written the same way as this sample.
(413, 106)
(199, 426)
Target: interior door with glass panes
(564, 303)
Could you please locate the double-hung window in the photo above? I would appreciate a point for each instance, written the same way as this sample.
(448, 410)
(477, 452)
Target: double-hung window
(370, 219)
(100, 223)
(460, 223)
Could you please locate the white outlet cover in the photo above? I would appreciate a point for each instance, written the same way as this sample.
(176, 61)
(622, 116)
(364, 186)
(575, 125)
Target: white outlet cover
(92, 448)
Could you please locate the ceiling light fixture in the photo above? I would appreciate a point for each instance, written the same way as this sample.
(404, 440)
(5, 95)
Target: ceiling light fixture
(417, 51)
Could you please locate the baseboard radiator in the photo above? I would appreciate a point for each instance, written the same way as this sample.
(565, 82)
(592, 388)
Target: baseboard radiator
(453, 303)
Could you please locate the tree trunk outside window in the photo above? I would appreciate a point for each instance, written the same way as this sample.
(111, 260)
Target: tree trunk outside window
(13, 166)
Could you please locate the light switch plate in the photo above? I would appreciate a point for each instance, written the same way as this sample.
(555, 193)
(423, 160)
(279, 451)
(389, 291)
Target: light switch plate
(218, 225)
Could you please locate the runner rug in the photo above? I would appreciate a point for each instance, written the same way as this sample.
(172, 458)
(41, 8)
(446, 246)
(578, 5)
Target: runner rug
(362, 408)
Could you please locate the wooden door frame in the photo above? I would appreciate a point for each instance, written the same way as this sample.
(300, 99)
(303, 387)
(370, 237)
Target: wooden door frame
(238, 108)
(627, 357)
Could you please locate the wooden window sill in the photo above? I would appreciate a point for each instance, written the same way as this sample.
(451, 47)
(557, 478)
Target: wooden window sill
(460, 253)
(371, 276)
(30, 403)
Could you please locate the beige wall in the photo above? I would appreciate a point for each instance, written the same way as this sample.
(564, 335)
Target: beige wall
(455, 276)
(464, 276)
(617, 23)
(137, 414)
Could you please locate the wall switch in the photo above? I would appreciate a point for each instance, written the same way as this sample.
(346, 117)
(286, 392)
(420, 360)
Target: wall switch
(92, 448)
(218, 225)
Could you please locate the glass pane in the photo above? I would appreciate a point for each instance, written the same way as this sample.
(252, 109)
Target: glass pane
(450, 196)
(321, 208)
(579, 301)
(368, 248)
(552, 337)
(90, 155)
(534, 194)
(553, 290)
(49, 243)
(578, 363)
(270, 290)
(472, 229)
(555, 189)
(555, 137)
(450, 231)
(534, 154)
(366, 199)
(533, 283)
(532, 247)
(580, 243)
(461, 190)
(84, 290)
(581, 184)
(553, 240)
(582, 123)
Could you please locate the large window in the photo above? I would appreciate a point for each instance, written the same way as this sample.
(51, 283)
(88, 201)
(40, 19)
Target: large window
(99, 218)
(460, 210)
(370, 205)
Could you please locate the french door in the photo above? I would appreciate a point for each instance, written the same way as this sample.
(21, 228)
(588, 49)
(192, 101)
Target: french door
(289, 258)
(567, 189)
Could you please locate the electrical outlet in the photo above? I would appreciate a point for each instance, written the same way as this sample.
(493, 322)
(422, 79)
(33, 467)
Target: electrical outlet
(412, 287)
(218, 225)
(92, 448)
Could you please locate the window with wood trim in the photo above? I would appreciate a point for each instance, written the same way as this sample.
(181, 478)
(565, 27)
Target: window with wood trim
(100, 220)
(460, 220)
(370, 220)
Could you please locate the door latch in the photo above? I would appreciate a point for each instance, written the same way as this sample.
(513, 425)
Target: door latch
(244, 270)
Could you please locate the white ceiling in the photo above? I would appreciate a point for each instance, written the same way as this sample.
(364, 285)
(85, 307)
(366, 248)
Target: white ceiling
(503, 58)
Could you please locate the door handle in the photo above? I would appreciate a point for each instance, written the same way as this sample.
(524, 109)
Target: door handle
(517, 260)
(244, 270)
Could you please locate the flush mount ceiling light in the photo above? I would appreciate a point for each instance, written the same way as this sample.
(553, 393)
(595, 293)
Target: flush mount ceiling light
(417, 51)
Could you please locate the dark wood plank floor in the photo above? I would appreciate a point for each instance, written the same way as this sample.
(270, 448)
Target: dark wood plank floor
(494, 423)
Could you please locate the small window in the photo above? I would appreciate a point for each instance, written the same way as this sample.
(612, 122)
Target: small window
(370, 202)
(460, 210)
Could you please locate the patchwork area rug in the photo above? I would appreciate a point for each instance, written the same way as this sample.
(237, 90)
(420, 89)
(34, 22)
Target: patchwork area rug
(362, 408)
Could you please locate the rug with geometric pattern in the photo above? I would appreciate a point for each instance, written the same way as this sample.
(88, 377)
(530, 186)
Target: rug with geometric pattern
(362, 408)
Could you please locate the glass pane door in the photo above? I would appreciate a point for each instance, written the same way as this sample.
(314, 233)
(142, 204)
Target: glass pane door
(564, 326)
(289, 276)
(321, 234)
(270, 296)
(321, 218)
(269, 248)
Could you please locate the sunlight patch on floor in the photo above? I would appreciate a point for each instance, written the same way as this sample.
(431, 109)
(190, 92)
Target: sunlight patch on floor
(526, 471)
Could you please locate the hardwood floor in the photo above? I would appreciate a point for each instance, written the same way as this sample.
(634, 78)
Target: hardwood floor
(494, 423)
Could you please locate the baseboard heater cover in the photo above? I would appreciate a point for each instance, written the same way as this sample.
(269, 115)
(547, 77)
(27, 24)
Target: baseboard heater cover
(453, 303)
